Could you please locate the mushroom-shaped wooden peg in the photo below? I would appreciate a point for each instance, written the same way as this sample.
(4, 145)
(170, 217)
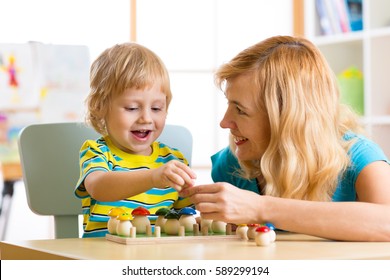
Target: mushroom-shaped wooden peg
(272, 232)
(263, 236)
(205, 223)
(218, 227)
(172, 224)
(160, 221)
(124, 224)
(113, 221)
(241, 231)
(252, 230)
(141, 220)
(187, 218)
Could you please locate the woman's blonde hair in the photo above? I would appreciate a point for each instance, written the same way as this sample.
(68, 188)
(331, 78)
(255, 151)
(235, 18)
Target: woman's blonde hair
(299, 92)
(123, 66)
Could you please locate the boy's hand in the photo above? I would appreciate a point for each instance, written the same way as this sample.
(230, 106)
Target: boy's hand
(174, 174)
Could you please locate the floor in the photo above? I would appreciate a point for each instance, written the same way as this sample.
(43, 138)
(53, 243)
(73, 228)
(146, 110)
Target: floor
(23, 224)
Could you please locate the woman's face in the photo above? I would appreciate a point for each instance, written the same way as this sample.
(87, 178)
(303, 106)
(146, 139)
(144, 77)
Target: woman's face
(248, 125)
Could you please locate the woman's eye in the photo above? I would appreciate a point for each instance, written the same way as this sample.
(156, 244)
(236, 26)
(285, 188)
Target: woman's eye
(239, 111)
(156, 109)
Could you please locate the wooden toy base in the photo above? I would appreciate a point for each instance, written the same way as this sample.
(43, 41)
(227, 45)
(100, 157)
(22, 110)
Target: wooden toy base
(164, 239)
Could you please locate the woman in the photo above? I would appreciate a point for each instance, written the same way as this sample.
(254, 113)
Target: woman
(293, 143)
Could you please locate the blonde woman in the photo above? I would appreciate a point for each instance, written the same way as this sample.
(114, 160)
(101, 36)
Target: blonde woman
(293, 143)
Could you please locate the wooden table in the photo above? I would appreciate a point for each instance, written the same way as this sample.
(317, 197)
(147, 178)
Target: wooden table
(287, 246)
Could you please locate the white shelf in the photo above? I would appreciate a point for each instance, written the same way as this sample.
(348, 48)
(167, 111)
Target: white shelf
(367, 50)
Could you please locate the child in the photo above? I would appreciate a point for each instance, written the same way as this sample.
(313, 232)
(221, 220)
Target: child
(126, 167)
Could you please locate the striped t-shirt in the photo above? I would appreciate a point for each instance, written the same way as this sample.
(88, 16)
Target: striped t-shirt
(102, 155)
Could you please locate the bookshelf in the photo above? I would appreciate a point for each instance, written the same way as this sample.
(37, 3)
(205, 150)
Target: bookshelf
(367, 50)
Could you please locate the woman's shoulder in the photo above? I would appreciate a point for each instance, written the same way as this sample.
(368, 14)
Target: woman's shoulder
(225, 168)
(224, 157)
(364, 151)
(224, 164)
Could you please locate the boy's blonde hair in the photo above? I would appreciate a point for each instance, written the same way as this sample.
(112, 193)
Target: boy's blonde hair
(298, 90)
(123, 66)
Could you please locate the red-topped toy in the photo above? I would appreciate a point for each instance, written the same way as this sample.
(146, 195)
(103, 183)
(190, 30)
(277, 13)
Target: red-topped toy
(173, 227)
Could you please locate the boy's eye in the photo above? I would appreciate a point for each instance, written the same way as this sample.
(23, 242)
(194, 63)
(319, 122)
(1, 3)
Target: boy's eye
(131, 108)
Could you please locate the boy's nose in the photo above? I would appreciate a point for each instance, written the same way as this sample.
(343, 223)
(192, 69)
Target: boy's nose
(146, 116)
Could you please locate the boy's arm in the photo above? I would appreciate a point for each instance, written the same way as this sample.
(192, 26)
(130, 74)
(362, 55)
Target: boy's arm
(113, 186)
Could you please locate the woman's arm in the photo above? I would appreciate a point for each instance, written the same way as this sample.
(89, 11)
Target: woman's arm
(365, 220)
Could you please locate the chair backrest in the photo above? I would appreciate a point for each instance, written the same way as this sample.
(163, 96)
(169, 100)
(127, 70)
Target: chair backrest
(49, 155)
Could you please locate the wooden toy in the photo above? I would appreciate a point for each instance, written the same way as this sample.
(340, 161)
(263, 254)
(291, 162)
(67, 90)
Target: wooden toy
(133, 232)
(124, 224)
(205, 223)
(160, 222)
(218, 227)
(141, 220)
(263, 236)
(113, 221)
(229, 229)
(187, 218)
(251, 231)
(272, 231)
(127, 233)
(172, 224)
(242, 231)
(195, 229)
(157, 231)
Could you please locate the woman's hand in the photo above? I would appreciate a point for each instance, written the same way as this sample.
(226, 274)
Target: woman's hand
(225, 202)
(174, 174)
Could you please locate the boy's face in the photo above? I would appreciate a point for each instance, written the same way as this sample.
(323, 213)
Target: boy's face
(136, 119)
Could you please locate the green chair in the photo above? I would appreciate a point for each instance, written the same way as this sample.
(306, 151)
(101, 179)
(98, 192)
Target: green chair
(49, 155)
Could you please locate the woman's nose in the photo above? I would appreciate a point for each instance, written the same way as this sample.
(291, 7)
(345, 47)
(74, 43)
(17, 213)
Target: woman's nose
(226, 122)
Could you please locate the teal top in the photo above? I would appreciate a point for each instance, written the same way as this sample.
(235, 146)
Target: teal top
(362, 153)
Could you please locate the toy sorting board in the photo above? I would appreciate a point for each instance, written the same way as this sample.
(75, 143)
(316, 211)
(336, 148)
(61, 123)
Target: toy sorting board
(164, 239)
